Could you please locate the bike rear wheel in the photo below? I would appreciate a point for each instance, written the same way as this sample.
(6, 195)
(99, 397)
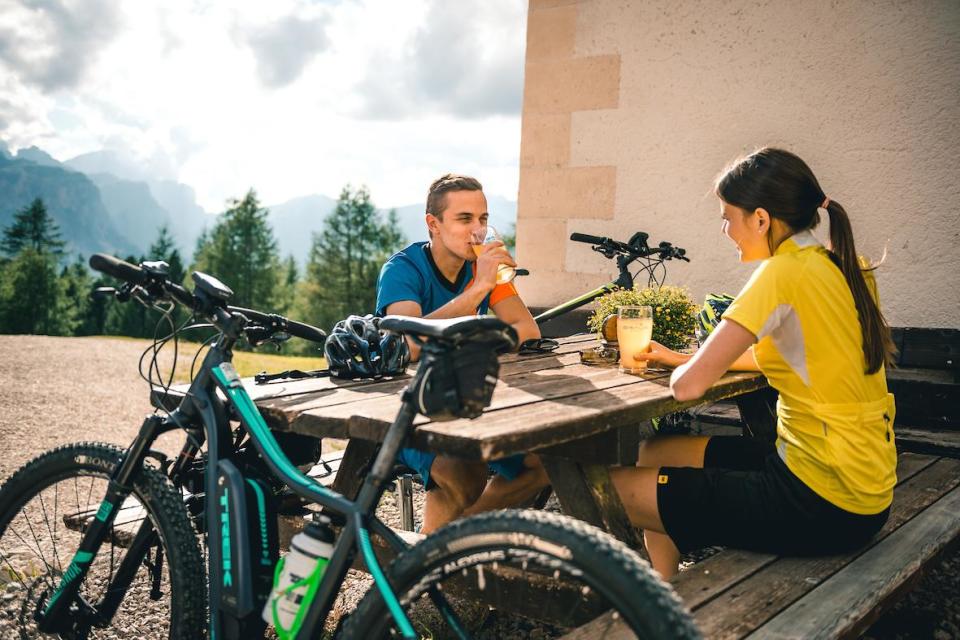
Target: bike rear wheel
(510, 572)
(45, 508)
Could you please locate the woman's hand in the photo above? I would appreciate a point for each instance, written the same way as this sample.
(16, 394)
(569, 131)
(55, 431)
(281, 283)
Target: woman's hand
(658, 354)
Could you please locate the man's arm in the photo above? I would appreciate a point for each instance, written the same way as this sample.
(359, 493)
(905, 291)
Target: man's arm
(512, 311)
(464, 304)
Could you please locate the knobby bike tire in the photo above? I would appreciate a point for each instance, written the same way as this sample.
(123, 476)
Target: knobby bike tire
(591, 561)
(29, 566)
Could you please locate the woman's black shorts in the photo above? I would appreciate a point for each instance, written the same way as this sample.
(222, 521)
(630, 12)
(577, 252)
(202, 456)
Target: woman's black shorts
(746, 497)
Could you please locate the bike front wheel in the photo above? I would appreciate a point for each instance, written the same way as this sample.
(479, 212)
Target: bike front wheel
(523, 573)
(45, 508)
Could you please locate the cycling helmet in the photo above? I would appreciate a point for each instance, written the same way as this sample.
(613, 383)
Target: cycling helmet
(709, 317)
(356, 348)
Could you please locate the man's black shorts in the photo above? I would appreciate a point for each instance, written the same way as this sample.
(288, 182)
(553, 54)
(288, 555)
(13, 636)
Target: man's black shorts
(746, 497)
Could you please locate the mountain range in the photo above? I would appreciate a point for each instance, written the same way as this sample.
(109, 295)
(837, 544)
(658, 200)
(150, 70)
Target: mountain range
(106, 202)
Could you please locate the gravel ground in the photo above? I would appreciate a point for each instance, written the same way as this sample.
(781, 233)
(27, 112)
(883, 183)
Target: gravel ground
(55, 391)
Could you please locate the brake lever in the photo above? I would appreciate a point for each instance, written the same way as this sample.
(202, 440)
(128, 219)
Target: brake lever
(103, 292)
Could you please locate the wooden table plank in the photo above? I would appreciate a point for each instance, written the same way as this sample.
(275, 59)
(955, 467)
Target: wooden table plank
(528, 421)
(282, 410)
(509, 363)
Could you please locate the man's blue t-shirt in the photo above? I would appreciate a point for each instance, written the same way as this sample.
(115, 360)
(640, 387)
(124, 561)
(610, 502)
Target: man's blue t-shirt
(411, 274)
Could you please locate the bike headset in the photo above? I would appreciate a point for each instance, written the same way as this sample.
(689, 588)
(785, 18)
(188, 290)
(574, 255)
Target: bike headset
(711, 313)
(356, 348)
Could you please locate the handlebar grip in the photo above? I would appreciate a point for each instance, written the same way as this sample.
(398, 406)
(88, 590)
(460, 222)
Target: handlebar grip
(294, 328)
(583, 237)
(306, 331)
(117, 268)
(181, 295)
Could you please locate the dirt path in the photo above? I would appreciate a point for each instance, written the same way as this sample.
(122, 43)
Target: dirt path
(59, 390)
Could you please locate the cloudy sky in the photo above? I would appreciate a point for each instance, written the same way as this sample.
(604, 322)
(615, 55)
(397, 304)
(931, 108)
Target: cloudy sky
(291, 97)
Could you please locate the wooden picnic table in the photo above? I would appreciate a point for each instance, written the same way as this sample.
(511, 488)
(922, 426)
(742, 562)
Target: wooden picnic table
(579, 418)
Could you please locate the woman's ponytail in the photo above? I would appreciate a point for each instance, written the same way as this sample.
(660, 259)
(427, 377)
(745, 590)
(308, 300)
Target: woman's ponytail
(878, 347)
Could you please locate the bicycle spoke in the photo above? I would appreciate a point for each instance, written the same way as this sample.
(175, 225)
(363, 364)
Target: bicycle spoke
(39, 552)
(53, 540)
(440, 601)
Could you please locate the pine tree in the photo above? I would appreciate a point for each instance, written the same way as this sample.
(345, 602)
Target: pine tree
(31, 294)
(286, 293)
(241, 251)
(345, 259)
(32, 228)
(85, 315)
(164, 248)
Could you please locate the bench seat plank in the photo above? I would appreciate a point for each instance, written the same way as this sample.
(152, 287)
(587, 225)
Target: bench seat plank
(755, 600)
(845, 604)
(715, 575)
(710, 577)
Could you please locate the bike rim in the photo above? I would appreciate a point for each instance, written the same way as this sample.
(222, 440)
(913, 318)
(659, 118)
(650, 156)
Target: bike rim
(497, 592)
(41, 538)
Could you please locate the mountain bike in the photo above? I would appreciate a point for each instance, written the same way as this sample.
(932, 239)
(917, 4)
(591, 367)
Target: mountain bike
(135, 568)
(635, 250)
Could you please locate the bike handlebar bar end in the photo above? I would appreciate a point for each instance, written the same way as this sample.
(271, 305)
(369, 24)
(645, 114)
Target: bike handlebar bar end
(117, 268)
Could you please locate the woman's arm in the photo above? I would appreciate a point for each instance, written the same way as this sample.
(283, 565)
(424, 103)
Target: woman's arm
(659, 354)
(725, 348)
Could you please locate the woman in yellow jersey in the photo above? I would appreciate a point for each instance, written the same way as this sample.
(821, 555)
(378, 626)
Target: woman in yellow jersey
(809, 320)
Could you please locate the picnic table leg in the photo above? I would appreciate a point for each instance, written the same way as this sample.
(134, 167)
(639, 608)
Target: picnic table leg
(586, 492)
(356, 458)
(758, 410)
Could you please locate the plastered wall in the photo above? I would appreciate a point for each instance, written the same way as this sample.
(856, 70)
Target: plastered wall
(631, 108)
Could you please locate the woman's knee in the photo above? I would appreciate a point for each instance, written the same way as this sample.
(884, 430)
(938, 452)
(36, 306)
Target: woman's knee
(673, 451)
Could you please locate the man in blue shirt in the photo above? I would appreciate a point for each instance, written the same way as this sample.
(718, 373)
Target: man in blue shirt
(444, 278)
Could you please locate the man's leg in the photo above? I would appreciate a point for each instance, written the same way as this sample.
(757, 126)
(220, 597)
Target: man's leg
(501, 493)
(456, 485)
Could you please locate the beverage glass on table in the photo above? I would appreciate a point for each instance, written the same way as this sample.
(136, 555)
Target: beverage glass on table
(505, 273)
(634, 330)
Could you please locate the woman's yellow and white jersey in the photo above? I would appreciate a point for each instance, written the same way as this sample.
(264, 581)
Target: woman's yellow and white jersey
(835, 422)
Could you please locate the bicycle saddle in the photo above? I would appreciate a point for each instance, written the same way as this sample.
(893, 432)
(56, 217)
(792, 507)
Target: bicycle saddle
(455, 330)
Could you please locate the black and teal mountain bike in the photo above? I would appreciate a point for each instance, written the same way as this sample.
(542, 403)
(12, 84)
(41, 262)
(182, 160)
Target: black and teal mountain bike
(102, 542)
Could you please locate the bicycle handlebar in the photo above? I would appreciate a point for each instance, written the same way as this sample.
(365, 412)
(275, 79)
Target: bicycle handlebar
(119, 269)
(137, 276)
(583, 237)
(294, 328)
(636, 248)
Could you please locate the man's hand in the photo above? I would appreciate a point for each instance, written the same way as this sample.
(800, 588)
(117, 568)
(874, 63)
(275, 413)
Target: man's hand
(494, 254)
(661, 355)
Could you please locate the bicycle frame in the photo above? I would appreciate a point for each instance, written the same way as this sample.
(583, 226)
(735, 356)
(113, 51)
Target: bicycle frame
(203, 405)
(624, 281)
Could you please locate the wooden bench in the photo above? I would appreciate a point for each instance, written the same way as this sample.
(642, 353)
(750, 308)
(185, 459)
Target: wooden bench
(132, 513)
(739, 594)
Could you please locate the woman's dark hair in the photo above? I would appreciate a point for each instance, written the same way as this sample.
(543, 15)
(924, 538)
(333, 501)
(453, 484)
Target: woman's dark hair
(782, 184)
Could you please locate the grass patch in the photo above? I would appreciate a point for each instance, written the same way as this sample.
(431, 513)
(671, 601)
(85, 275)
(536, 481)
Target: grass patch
(247, 363)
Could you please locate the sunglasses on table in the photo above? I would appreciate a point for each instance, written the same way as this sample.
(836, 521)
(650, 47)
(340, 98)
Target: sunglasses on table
(537, 345)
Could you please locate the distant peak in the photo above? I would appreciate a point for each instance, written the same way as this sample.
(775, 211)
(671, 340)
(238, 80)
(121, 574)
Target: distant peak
(37, 155)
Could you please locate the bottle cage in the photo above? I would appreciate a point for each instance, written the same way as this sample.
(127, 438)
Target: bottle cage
(455, 383)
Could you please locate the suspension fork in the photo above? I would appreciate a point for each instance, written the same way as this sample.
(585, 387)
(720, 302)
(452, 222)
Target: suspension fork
(54, 616)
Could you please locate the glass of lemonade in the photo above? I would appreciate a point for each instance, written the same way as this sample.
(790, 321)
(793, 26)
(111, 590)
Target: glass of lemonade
(634, 330)
(505, 273)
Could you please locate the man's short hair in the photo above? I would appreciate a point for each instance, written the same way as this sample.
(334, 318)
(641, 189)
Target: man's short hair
(437, 196)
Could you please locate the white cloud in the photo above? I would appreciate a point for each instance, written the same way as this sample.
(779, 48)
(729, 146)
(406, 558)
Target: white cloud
(278, 96)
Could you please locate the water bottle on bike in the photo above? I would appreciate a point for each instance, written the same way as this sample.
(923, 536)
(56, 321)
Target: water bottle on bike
(297, 577)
